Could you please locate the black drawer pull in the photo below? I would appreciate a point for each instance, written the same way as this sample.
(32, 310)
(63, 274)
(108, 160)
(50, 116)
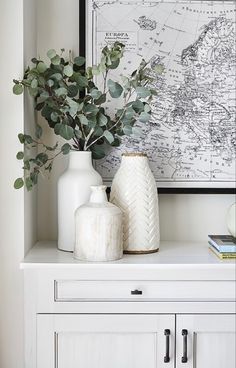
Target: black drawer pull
(136, 292)
(185, 346)
(167, 356)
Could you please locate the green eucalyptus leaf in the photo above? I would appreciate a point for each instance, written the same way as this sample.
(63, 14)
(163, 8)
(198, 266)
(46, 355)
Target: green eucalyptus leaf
(20, 155)
(78, 133)
(109, 136)
(56, 76)
(61, 91)
(33, 92)
(28, 139)
(144, 117)
(68, 70)
(127, 129)
(73, 106)
(101, 100)
(147, 108)
(115, 89)
(91, 109)
(18, 183)
(73, 90)
(26, 165)
(102, 67)
(51, 53)
(57, 128)
(34, 83)
(50, 82)
(21, 138)
(95, 70)
(54, 116)
(116, 142)
(65, 148)
(34, 177)
(18, 89)
(56, 60)
(66, 132)
(138, 106)
(114, 64)
(97, 152)
(79, 60)
(38, 131)
(89, 72)
(44, 95)
(41, 67)
(98, 132)
(142, 92)
(28, 183)
(95, 94)
(83, 120)
(129, 114)
(82, 81)
(39, 106)
(102, 119)
(42, 157)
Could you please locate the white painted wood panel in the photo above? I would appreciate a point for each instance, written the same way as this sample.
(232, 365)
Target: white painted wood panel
(210, 343)
(104, 341)
(78, 291)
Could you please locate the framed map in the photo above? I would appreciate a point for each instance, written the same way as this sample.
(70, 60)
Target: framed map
(191, 138)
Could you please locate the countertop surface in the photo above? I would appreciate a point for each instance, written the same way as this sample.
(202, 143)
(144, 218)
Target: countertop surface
(183, 257)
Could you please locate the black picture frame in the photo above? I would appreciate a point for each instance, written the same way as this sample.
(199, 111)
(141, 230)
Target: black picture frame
(172, 190)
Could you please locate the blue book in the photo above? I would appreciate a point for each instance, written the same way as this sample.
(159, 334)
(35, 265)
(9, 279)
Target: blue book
(223, 243)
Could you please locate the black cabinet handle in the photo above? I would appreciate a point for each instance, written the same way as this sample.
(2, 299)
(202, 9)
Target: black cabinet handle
(167, 356)
(136, 292)
(185, 346)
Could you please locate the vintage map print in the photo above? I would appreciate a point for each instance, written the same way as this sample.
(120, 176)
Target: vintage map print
(191, 138)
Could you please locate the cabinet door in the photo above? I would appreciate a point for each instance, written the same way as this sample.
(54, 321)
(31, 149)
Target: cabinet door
(210, 341)
(105, 341)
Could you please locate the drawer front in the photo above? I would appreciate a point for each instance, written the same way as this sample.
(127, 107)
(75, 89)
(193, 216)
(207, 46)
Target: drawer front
(79, 291)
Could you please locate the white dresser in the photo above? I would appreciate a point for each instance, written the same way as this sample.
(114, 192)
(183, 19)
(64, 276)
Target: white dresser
(172, 309)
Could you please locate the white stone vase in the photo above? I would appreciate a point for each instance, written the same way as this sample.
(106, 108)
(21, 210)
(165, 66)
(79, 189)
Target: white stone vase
(134, 191)
(231, 220)
(73, 190)
(99, 229)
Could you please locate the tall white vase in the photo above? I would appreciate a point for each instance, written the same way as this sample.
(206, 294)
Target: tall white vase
(73, 191)
(134, 191)
(99, 229)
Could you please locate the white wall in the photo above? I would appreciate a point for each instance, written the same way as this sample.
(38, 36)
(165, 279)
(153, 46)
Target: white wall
(58, 27)
(182, 217)
(11, 201)
(17, 218)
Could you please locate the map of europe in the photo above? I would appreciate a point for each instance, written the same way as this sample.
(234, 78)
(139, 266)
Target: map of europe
(191, 137)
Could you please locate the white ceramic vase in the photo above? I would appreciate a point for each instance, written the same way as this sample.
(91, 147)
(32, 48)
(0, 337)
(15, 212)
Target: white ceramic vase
(74, 190)
(99, 229)
(231, 220)
(134, 191)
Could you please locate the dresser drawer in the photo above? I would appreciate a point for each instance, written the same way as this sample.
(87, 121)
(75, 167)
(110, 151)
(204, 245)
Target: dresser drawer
(79, 291)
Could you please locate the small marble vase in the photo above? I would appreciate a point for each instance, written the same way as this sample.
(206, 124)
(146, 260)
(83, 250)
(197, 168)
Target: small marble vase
(134, 190)
(231, 220)
(99, 229)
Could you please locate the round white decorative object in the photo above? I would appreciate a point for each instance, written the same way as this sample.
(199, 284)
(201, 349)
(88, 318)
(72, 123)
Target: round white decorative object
(231, 220)
(99, 229)
(73, 190)
(134, 191)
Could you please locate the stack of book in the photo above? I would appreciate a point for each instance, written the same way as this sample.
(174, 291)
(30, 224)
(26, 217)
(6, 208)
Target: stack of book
(224, 246)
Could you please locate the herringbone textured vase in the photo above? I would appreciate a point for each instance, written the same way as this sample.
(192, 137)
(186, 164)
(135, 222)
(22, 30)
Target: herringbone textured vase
(134, 191)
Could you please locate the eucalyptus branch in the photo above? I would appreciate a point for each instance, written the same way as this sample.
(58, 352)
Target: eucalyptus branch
(69, 100)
